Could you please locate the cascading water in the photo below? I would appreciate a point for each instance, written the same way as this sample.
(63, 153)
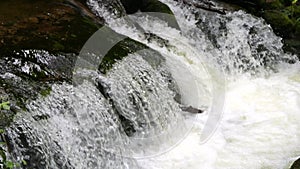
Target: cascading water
(80, 126)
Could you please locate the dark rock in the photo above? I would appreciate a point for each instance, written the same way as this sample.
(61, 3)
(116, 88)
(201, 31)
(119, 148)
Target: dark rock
(36, 36)
(121, 50)
(155, 6)
(286, 2)
(296, 164)
(25, 74)
(48, 25)
(280, 22)
(132, 6)
(292, 45)
(275, 4)
(151, 6)
(160, 41)
(114, 7)
(159, 7)
(118, 52)
(23, 140)
(191, 109)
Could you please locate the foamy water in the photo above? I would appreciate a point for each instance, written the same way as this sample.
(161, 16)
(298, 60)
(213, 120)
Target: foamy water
(259, 127)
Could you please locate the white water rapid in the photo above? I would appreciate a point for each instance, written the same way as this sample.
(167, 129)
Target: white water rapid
(232, 65)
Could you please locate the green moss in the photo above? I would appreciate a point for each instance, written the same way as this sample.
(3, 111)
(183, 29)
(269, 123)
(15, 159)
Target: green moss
(4, 106)
(46, 92)
(6, 115)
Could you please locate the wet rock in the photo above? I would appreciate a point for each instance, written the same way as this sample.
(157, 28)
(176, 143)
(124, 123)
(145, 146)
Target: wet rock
(159, 7)
(151, 6)
(132, 6)
(119, 51)
(22, 136)
(155, 6)
(48, 25)
(281, 22)
(114, 7)
(25, 74)
(37, 38)
(296, 164)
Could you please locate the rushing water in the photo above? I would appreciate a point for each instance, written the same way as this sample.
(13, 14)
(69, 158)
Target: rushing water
(231, 62)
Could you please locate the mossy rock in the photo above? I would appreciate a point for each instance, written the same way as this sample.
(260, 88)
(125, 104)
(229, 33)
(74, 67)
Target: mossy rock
(280, 22)
(8, 108)
(151, 6)
(6, 117)
(273, 5)
(118, 52)
(159, 7)
(53, 28)
(155, 6)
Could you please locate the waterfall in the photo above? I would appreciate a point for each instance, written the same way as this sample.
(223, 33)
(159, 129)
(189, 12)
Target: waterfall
(231, 66)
